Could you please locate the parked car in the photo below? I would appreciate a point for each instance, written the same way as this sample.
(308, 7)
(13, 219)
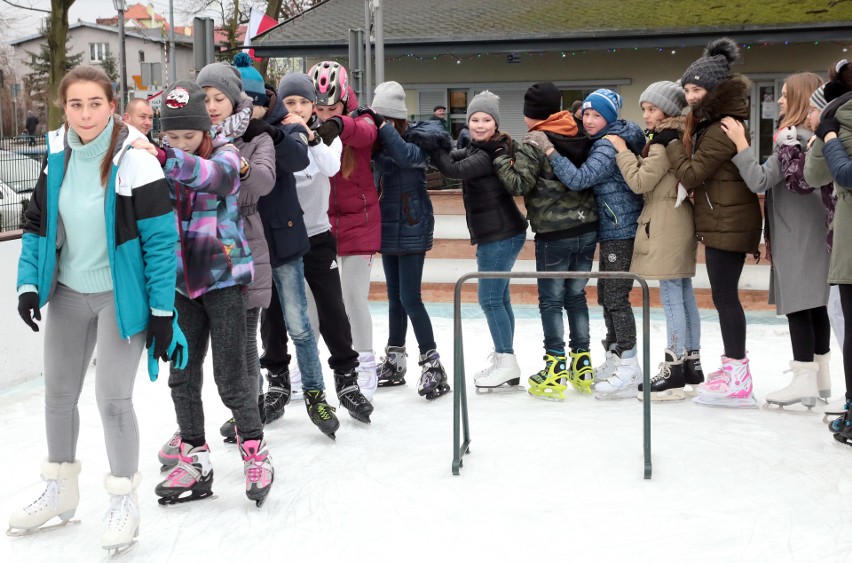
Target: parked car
(10, 207)
(18, 171)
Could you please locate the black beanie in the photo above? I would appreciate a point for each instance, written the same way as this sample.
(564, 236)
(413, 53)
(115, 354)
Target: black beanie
(184, 108)
(542, 100)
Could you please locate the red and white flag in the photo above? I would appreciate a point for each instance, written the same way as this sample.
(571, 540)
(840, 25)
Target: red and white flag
(259, 22)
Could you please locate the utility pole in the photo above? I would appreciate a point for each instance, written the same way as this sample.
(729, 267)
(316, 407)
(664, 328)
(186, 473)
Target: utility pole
(380, 42)
(172, 65)
(368, 56)
(122, 87)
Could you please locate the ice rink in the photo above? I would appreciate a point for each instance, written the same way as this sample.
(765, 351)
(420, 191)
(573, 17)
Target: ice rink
(545, 481)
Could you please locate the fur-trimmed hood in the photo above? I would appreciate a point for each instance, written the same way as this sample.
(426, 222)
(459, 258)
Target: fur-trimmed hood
(728, 98)
(678, 123)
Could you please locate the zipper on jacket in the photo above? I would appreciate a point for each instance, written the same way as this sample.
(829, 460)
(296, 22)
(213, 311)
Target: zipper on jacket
(707, 197)
(178, 190)
(611, 212)
(111, 248)
(366, 214)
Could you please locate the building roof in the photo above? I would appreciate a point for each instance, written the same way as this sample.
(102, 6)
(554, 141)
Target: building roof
(138, 13)
(154, 35)
(443, 26)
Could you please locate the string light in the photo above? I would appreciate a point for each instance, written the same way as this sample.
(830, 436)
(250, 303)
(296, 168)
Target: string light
(569, 54)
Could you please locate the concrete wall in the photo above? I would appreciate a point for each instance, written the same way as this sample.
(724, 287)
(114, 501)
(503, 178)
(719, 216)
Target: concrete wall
(21, 349)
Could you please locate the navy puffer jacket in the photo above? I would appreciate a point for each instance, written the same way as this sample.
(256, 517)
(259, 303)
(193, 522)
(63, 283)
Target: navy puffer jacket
(400, 174)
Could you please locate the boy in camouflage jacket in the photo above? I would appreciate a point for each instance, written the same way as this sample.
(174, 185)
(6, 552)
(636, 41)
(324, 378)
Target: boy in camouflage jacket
(565, 226)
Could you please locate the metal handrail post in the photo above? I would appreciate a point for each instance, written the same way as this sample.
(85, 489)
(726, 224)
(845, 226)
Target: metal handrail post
(461, 423)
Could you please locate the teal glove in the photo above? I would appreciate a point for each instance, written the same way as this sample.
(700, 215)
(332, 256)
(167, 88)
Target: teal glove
(176, 353)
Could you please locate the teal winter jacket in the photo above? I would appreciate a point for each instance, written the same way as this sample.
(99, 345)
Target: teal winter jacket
(141, 231)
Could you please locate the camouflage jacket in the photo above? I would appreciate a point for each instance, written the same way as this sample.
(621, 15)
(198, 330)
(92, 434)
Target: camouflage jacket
(551, 207)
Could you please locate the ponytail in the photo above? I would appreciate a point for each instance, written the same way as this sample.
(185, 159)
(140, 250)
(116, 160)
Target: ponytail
(106, 163)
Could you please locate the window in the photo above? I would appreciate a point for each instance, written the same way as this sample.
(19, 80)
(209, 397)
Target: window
(457, 112)
(141, 56)
(98, 51)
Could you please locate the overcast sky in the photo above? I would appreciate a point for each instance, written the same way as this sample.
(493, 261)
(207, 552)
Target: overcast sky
(26, 22)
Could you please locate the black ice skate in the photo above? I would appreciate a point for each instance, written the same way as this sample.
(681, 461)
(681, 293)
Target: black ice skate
(350, 396)
(841, 427)
(693, 375)
(394, 365)
(668, 384)
(321, 413)
(433, 378)
(277, 396)
(228, 430)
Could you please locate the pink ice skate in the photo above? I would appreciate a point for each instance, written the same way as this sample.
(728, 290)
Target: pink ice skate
(257, 465)
(730, 386)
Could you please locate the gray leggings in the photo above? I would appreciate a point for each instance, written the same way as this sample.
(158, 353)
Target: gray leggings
(75, 323)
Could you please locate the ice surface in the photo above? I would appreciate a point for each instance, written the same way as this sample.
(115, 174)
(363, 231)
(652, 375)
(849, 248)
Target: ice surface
(543, 481)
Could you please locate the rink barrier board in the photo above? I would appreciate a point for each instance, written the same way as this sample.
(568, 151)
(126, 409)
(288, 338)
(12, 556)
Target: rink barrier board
(461, 420)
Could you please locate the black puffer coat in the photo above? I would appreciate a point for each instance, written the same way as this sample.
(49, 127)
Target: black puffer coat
(490, 210)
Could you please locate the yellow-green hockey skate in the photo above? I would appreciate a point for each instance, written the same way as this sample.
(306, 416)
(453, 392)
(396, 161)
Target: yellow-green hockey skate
(549, 382)
(582, 375)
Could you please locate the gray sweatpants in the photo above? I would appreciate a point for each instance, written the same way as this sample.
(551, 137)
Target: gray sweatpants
(75, 323)
(355, 282)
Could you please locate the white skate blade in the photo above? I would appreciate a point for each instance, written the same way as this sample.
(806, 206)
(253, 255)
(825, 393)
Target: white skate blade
(116, 552)
(674, 394)
(502, 388)
(690, 390)
(21, 532)
(624, 393)
(749, 403)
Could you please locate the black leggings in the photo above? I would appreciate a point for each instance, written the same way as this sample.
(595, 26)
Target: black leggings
(810, 331)
(846, 304)
(724, 269)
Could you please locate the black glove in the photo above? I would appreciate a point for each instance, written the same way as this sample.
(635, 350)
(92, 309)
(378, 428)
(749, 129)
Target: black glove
(331, 129)
(826, 126)
(28, 309)
(664, 137)
(377, 119)
(257, 127)
(160, 334)
(494, 148)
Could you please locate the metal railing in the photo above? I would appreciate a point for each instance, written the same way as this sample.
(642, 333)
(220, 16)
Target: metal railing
(461, 424)
(20, 166)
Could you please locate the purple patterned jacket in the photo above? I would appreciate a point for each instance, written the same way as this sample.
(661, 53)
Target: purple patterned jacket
(212, 251)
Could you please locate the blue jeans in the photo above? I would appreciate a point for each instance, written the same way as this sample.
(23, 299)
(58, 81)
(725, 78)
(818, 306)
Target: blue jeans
(289, 281)
(494, 298)
(573, 254)
(403, 276)
(683, 325)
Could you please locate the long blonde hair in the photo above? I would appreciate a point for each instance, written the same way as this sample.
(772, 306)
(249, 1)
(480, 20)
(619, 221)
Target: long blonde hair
(800, 86)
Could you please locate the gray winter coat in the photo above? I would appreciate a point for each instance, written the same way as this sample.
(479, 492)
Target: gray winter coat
(795, 226)
(258, 181)
(817, 173)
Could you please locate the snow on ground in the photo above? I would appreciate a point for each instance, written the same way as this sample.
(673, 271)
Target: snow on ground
(543, 479)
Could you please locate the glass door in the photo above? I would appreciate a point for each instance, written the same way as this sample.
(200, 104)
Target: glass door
(763, 117)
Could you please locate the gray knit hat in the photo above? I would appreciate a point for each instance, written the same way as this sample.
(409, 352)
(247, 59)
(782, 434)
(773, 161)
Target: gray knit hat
(485, 102)
(184, 108)
(666, 95)
(818, 98)
(389, 100)
(297, 84)
(223, 77)
(714, 66)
